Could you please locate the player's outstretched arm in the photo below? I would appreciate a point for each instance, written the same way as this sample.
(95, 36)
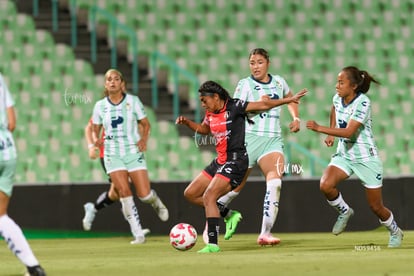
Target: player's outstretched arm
(266, 104)
(199, 128)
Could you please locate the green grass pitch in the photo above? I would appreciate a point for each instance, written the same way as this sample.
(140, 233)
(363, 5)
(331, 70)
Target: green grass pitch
(351, 253)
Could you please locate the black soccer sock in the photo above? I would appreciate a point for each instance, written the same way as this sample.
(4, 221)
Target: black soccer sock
(223, 209)
(213, 230)
(102, 201)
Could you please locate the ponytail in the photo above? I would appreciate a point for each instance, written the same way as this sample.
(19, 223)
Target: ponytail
(359, 77)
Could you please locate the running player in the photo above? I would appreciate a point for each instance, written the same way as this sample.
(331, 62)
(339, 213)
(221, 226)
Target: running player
(356, 152)
(264, 142)
(225, 120)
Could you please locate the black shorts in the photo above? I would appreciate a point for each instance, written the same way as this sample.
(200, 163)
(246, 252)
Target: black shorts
(234, 169)
(103, 167)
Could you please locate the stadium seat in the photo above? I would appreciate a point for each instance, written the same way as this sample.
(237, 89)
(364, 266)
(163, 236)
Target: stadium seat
(308, 43)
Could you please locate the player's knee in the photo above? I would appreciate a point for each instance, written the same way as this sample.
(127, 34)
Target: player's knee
(189, 195)
(325, 186)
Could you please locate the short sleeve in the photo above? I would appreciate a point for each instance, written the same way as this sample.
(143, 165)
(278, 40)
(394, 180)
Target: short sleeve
(285, 87)
(241, 105)
(242, 90)
(206, 121)
(96, 116)
(9, 102)
(139, 108)
(362, 111)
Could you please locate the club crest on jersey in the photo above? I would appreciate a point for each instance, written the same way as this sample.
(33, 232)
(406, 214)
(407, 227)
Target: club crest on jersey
(128, 106)
(279, 85)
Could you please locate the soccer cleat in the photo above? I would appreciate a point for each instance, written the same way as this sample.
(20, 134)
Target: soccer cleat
(90, 212)
(396, 238)
(146, 231)
(205, 234)
(160, 209)
(138, 240)
(231, 224)
(210, 248)
(141, 239)
(267, 239)
(342, 221)
(35, 271)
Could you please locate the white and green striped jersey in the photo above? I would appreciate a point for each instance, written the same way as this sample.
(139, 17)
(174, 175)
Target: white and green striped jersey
(120, 122)
(361, 146)
(7, 146)
(266, 123)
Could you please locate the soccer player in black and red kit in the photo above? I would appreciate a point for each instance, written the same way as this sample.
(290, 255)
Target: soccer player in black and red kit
(225, 120)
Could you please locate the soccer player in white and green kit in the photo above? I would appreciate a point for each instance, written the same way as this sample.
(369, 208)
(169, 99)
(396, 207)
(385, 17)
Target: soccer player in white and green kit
(356, 152)
(9, 230)
(120, 114)
(264, 142)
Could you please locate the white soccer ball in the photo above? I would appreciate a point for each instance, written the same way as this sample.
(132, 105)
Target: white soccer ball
(183, 236)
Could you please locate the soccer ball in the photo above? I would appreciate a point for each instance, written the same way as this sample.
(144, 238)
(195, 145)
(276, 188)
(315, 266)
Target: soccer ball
(183, 236)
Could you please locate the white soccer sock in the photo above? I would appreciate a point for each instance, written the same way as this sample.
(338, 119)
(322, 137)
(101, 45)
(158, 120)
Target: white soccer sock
(153, 199)
(150, 198)
(16, 241)
(227, 198)
(131, 215)
(339, 204)
(390, 224)
(271, 204)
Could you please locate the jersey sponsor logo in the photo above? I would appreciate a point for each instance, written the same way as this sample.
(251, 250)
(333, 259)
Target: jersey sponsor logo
(273, 96)
(360, 115)
(221, 136)
(267, 115)
(5, 144)
(342, 123)
(116, 121)
(221, 123)
(257, 87)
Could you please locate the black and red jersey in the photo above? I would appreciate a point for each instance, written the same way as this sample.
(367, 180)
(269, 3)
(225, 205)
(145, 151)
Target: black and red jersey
(228, 128)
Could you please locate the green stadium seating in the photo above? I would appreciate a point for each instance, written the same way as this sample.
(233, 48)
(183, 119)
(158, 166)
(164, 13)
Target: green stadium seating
(308, 42)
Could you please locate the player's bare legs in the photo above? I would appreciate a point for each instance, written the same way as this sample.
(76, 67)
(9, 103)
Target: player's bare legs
(330, 179)
(147, 195)
(195, 190)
